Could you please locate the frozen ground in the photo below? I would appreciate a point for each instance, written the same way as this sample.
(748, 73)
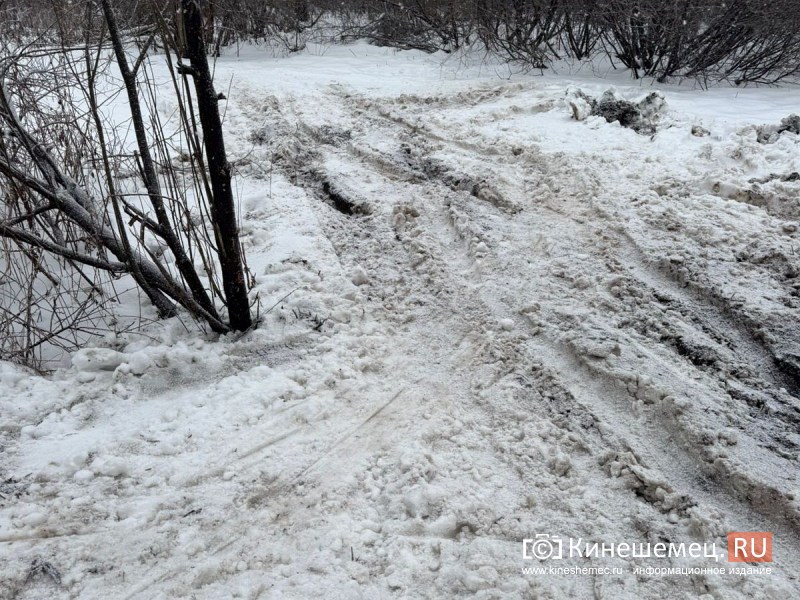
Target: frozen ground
(528, 325)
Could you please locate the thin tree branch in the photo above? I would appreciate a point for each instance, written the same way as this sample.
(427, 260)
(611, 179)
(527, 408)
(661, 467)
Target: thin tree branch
(28, 238)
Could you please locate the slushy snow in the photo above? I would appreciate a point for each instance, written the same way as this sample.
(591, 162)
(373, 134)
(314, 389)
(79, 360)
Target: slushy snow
(532, 325)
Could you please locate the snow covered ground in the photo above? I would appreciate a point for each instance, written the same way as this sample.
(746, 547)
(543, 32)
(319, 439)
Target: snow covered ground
(484, 321)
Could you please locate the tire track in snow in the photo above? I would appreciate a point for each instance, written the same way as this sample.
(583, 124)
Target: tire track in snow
(775, 505)
(711, 309)
(458, 312)
(443, 287)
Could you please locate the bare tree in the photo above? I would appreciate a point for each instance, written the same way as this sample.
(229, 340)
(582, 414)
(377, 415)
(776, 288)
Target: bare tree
(223, 209)
(66, 204)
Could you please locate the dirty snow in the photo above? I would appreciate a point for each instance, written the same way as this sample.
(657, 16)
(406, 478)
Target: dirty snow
(483, 320)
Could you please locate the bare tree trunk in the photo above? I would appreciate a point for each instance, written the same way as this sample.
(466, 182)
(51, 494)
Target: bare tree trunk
(165, 229)
(165, 308)
(223, 209)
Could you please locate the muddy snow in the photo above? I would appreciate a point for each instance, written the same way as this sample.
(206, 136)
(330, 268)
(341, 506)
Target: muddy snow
(484, 320)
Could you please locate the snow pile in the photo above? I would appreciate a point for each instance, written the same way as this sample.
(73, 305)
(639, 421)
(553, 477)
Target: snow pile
(641, 116)
(769, 134)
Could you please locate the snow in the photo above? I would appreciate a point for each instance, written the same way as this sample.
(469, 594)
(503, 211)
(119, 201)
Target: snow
(535, 325)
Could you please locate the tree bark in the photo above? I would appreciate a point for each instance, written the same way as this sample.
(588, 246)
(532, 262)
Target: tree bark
(223, 210)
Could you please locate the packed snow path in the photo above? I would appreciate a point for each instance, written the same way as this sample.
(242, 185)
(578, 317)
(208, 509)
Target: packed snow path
(500, 322)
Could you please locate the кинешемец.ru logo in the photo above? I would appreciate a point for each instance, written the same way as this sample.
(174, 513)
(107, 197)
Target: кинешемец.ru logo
(743, 546)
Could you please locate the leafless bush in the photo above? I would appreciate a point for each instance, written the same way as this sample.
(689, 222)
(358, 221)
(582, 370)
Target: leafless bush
(580, 34)
(288, 23)
(526, 31)
(74, 222)
(744, 41)
(49, 301)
